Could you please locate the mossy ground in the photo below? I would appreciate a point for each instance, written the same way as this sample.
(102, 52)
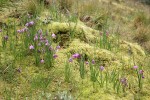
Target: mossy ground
(22, 79)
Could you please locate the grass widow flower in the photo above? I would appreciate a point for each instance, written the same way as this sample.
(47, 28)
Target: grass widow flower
(19, 31)
(35, 37)
(6, 37)
(135, 67)
(47, 44)
(141, 71)
(53, 36)
(93, 61)
(58, 47)
(41, 37)
(86, 62)
(29, 24)
(31, 47)
(55, 56)
(76, 55)
(101, 68)
(123, 81)
(42, 61)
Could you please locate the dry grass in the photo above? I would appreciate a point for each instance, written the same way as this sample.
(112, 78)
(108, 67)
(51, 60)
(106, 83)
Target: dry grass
(31, 6)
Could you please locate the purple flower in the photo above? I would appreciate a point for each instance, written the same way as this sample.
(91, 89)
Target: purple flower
(93, 61)
(70, 59)
(55, 56)
(141, 71)
(41, 37)
(86, 62)
(143, 76)
(19, 31)
(25, 29)
(53, 35)
(101, 68)
(40, 31)
(123, 81)
(6, 37)
(31, 47)
(46, 43)
(58, 47)
(0, 30)
(135, 67)
(22, 30)
(42, 61)
(35, 37)
(76, 55)
(29, 24)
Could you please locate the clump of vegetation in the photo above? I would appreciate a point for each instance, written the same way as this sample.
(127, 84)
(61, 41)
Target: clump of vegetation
(141, 23)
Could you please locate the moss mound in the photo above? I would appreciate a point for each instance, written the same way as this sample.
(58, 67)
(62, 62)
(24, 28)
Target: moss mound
(84, 41)
(77, 30)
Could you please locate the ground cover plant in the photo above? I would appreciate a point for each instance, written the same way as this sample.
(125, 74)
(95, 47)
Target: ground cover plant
(74, 50)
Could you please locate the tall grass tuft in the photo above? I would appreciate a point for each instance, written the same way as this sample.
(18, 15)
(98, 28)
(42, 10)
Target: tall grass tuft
(32, 6)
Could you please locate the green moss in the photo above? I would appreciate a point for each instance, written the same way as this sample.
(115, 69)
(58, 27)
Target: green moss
(77, 38)
(6, 58)
(77, 30)
(131, 53)
(101, 56)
